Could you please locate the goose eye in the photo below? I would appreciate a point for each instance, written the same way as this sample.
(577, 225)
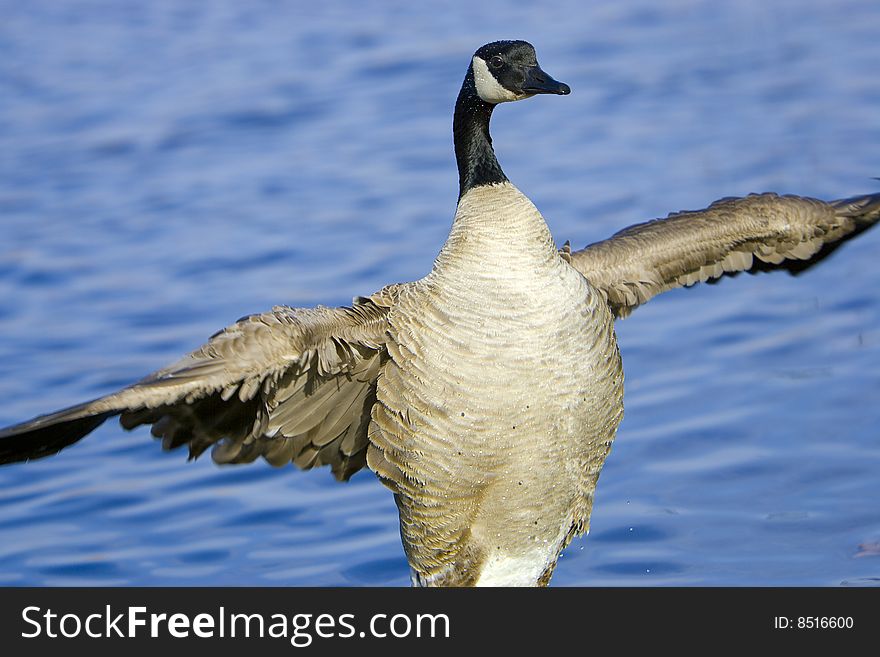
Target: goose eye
(496, 62)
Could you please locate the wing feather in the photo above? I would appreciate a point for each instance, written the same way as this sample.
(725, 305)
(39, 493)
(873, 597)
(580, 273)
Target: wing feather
(290, 385)
(760, 232)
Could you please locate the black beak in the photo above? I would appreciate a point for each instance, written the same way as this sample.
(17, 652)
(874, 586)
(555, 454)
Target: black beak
(538, 82)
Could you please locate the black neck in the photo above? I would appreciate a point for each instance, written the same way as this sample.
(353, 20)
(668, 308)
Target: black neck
(477, 164)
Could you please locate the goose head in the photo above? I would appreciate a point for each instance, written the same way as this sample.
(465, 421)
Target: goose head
(505, 71)
(500, 72)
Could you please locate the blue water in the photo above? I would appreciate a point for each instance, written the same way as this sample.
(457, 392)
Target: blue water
(168, 167)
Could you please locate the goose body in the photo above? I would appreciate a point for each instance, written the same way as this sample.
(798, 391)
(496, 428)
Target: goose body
(486, 395)
(492, 434)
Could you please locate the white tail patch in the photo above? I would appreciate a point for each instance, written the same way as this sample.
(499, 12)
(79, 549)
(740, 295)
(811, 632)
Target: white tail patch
(524, 570)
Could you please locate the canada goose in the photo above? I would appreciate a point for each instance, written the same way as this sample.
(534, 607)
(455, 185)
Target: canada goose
(458, 390)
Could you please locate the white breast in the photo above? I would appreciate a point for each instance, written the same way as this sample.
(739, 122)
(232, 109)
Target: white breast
(505, 374)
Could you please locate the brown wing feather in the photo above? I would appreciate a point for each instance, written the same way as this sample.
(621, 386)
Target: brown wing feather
(760, 232)
(291, 385)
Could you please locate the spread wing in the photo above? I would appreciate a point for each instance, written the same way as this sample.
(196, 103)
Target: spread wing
(757, 233)
(290, 385)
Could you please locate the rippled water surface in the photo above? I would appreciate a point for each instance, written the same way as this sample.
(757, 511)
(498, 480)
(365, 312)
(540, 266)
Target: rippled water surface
(166, 168)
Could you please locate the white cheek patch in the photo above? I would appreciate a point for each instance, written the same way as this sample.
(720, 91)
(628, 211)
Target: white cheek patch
(488, 88)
